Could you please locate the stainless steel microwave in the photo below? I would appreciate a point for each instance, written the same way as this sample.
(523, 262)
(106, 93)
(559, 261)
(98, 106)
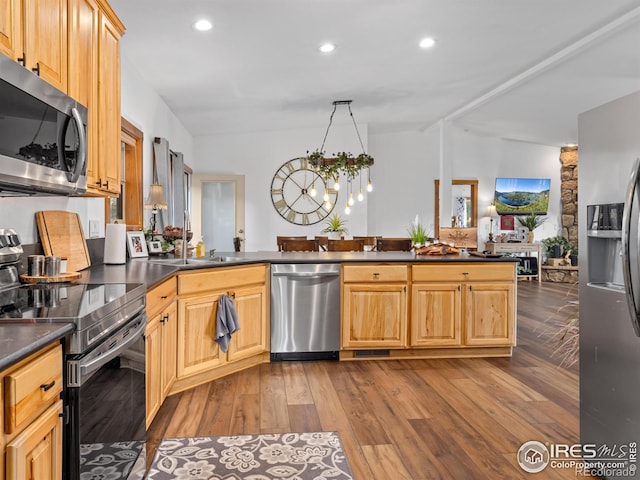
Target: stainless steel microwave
(43, 139)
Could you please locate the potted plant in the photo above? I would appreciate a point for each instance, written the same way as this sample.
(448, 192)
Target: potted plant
(335, 227)
(418, 233)
(555, 246)
(531, 221)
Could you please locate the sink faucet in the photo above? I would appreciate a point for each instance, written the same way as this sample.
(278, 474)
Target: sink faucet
(185, 242)
(212, 253)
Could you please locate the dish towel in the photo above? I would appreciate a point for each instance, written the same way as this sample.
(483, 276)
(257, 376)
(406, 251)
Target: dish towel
(226, 321)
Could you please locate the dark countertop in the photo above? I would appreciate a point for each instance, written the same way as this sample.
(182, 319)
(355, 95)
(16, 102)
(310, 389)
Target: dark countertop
(18, 341)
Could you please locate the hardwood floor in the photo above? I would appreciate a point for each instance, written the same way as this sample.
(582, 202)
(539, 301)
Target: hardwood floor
(419, 419)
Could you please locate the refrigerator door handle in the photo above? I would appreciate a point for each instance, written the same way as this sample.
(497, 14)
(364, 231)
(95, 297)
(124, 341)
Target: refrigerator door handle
(626, 252)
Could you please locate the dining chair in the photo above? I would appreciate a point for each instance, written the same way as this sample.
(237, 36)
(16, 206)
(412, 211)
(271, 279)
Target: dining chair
(300, 245)
(393, 244)
(346, 245)
(368, 241)
(280, 239)
(322, 242)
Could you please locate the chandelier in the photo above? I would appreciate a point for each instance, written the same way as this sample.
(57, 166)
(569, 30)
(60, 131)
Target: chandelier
(342, 164)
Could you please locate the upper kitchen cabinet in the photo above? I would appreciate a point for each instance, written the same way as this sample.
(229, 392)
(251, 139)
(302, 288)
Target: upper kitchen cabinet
(34, 33)
(94, 80)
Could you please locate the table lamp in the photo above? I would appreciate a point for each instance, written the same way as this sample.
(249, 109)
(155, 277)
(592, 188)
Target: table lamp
(492, 212)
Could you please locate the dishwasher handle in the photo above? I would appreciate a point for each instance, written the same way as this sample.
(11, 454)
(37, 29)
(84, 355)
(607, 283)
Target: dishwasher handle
(306, 274)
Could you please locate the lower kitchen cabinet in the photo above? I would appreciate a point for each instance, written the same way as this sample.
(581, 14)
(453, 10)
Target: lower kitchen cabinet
(161, 345)
(490, 314)
(374, 306)
(32, 413)
(473, 307)
(200, 358)
(436, 315)
(36, 453)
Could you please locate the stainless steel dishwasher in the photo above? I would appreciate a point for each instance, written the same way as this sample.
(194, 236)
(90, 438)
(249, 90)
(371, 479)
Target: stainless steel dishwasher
(305, 311)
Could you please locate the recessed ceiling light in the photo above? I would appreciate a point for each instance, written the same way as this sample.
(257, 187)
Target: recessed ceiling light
(327, 47)
(427, 42)
(203, 25)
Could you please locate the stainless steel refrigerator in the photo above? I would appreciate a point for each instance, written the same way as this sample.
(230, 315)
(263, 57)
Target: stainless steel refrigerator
(609, 146)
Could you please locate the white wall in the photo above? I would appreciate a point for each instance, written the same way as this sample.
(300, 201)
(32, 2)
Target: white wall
(406, 164)
(485, 158)
(145, 109)
(258, 156)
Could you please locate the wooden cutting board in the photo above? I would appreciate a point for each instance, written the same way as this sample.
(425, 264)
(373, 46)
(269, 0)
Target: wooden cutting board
(61, 234)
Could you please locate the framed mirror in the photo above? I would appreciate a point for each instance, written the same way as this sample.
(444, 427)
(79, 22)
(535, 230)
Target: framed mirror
(464, 205)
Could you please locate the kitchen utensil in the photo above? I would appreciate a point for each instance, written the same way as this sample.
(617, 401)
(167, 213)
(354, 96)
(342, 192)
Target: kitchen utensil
(61, 234)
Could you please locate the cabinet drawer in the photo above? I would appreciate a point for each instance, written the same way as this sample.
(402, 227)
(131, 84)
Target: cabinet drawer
(374, 273)
(160, 296)
(221, 278)
(31, 388)
(464, 272)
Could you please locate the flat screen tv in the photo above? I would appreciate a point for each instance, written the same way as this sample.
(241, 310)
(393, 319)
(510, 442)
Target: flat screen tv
(520, 196)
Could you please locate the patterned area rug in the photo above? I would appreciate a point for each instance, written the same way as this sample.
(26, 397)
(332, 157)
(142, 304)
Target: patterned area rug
(300, 456)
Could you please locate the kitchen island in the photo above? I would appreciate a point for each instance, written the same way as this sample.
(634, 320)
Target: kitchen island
(394, 305)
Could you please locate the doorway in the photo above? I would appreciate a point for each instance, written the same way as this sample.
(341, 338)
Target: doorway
(218, 210)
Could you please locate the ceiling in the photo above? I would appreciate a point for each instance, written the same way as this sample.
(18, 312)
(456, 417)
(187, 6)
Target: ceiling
(517, 69)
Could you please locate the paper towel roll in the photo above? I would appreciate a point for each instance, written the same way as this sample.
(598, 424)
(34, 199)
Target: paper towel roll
(115, 243)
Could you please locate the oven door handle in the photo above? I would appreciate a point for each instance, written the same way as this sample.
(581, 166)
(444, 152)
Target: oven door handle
(116, 345)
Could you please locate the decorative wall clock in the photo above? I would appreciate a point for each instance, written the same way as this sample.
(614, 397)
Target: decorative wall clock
(292, 193)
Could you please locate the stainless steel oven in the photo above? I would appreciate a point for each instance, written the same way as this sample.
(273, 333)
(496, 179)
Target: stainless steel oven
(105, 411)
(106, 407)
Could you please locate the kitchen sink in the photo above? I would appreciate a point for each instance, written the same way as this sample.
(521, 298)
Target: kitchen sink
(195, 261)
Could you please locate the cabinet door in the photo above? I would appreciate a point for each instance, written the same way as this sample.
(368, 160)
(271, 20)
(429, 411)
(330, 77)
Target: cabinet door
(11, 28)
(436, 312)
(83, 73)
(197, 349)
(45, 38)
(251, 338)
(36, 454)
(490, 314)
(108, 105)
(153, 346)
(374, 316)
(169, 348)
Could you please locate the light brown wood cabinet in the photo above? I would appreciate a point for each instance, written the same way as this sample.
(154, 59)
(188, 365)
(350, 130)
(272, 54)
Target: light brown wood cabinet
(94, 80)
(374, 306)
(161, 345)
(436, 314)
(463, 305)
(199, 356)
(32, 412)
(34, 33)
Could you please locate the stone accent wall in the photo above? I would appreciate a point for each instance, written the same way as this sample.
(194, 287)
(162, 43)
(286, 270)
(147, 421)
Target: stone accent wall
(569, 193)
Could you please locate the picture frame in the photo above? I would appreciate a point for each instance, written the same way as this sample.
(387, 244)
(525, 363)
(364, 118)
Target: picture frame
(507, 222)
(154, 247)
(136, 245)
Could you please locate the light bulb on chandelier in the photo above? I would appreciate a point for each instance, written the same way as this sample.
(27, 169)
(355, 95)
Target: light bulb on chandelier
(369, 186)
(360, 195)
(313, 191)
(351, 201)
(336, 184)
(347, 209)
(326, 195)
